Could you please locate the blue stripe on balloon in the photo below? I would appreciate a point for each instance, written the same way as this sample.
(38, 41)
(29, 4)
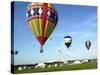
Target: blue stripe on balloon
(67, 37)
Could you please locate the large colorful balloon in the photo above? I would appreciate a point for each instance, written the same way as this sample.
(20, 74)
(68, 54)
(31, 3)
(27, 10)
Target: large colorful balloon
(88, 44)
(42, 19)
(68, 41)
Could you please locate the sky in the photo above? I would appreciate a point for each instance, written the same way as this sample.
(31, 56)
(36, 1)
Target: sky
(79, 22)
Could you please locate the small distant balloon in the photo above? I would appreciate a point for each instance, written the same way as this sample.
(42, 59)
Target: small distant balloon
(88, 44)
(68, 41)
(33, 45)
(16, 52)
(60, 51)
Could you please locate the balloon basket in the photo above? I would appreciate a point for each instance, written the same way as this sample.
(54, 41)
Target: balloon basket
(41, 49)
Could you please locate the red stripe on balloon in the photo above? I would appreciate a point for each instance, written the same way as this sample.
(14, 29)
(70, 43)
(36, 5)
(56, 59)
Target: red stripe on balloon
(42, 38)
(44, 17)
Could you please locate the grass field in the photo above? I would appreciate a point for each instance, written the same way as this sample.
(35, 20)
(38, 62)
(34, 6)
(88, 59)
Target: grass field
(66, 67)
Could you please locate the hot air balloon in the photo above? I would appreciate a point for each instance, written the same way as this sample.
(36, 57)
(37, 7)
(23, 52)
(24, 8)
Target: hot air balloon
(60, 51)
(42, 19)
(88, 44)
(68, 41)
(16, 52)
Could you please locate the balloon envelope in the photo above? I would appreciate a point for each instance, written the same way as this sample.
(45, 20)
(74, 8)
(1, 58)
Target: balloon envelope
(88, 44)
(68, 41)
(60, 51)
(42, 19)
(16, 52)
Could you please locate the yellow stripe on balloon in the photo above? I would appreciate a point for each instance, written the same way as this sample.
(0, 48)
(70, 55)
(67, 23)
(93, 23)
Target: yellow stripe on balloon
(49, 5)
(40, 26)
(32, 3)
(46, 28)
(40, 3)
(35, 26)
(31, 28)
(32, 25)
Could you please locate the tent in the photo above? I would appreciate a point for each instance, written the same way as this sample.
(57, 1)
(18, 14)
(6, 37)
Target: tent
(61, 65)
(19, 68)
(84, 61)
(65, 62)
(76, 62)
(55, 65)
(40, 65)
(49, 65)
(24, 67)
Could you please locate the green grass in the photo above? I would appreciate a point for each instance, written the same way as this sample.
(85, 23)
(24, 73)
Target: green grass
(89, 65)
